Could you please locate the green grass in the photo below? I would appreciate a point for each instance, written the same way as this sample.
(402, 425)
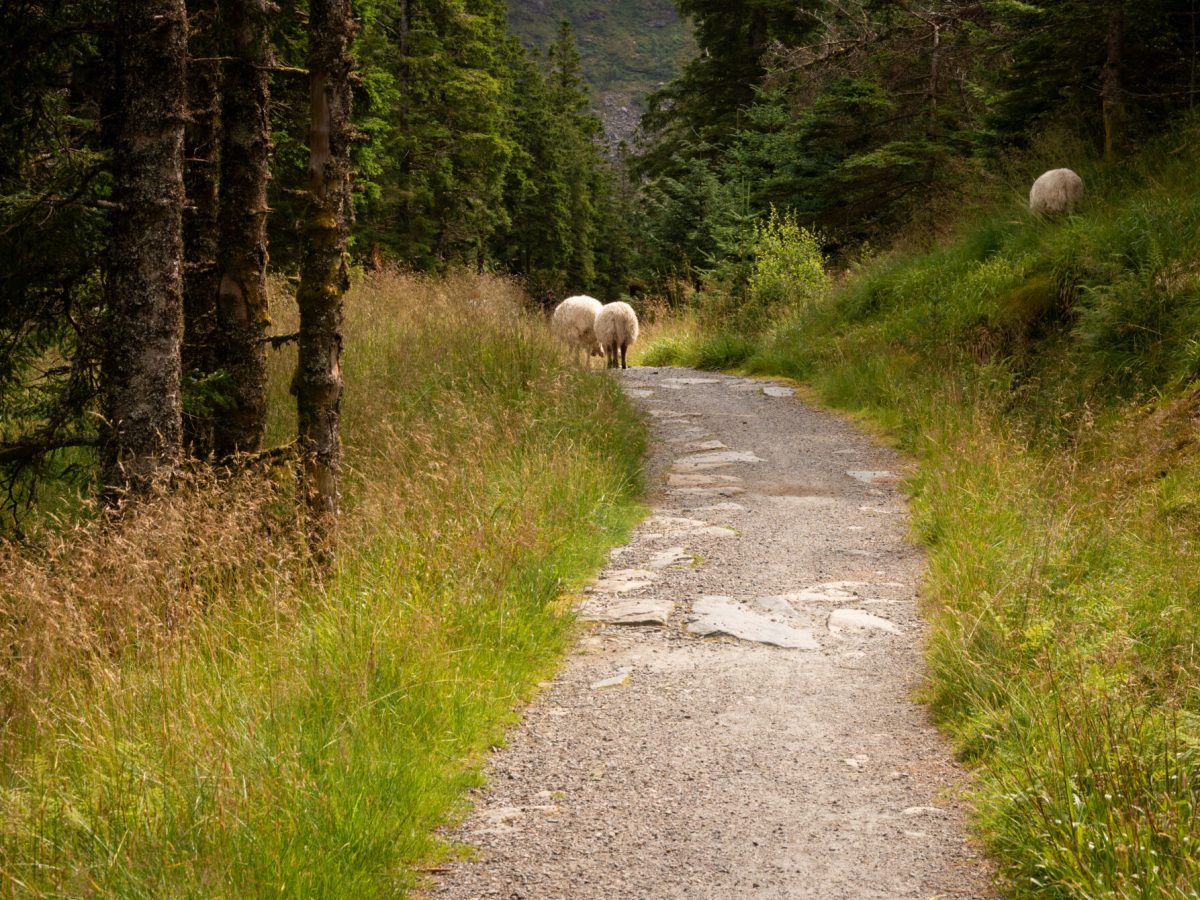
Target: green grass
(288, 736)
(1043, 373)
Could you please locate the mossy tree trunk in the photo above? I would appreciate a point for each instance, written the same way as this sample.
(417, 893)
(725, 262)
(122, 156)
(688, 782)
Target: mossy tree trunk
(323, 267)
(201, 175)
(1111, 91)
(141, 368)
(241, 297)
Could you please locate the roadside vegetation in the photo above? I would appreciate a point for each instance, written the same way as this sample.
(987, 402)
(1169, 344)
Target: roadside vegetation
(1045, 375)
(189, 706)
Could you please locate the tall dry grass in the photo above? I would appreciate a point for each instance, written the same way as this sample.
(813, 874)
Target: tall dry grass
(190, 710)
(76, 600)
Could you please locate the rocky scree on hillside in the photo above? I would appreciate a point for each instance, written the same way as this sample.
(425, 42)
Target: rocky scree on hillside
(629, 48)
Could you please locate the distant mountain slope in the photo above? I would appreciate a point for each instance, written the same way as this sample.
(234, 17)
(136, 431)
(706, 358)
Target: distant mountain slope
(629, 48)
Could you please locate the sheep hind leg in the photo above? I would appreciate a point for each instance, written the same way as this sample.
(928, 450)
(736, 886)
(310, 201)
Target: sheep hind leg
(623, 348)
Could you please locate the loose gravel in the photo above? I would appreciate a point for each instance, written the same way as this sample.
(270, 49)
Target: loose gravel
(738, 721)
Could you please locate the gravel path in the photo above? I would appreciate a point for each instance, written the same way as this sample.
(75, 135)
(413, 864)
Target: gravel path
(739, 721)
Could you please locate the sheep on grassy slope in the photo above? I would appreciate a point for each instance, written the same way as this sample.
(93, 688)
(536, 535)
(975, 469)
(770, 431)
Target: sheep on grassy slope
(574, 323)
(1055, 192)
(616, 330)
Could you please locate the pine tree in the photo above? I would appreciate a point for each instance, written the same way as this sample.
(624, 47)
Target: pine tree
(55, 80)
(1114, 68)
(241, 300)
(142, 373)
(201, 230)
(703, 107)
(437, 85)
(324, 275)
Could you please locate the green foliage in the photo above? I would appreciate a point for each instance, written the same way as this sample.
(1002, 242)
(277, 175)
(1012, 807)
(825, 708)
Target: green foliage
(692, 221)
(703, 106)
(1055, 54)
(788, 271)
(436, 82)
(53, 180)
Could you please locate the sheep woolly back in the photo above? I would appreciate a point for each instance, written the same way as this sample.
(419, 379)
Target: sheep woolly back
(616, 324)
(574, 322)
(1055, 192)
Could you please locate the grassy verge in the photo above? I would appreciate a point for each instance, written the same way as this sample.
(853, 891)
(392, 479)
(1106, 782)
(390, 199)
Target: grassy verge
(187, 712)
(1044, 375)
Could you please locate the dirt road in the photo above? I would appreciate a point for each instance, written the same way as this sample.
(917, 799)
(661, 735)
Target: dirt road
(740, 721)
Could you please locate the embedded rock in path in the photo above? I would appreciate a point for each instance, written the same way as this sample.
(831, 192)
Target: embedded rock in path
(726, 507)
(774, 390)
(717, 531)
(668, 414)
(874, 477)
(618, 680)
(675, 479)
(623, 581)
(727, 490)
(701, 446)
(674, 523)
(842, 620)
(821, 593)
(506, 819)
(716, 616)
(682, 466)
(720, 456)
(627, 611)
(672, 556)
(641, 393)
(678, 383)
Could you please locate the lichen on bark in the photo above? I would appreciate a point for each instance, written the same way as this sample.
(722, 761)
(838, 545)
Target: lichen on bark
(323, 269)
(141, 368)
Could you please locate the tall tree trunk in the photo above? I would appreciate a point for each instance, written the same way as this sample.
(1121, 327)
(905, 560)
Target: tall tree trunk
(1111, 92)
(201, 177)
(241, 299)
(323, 271)
(932, 132)
(141, 368)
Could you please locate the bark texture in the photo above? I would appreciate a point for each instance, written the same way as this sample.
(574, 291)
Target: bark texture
(323, 268)
(201, 173)
(1112, 95)
(145, 266)
(241, 295)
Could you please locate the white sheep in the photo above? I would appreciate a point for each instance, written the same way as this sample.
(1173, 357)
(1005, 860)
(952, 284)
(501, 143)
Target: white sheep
(574, 323)
(1055, 192)
(616, 330)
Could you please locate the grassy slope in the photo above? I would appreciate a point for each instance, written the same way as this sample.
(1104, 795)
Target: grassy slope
(206, 720)
(1044, 375)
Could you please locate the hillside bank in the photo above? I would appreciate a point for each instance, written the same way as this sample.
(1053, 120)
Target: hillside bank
(1044, 376)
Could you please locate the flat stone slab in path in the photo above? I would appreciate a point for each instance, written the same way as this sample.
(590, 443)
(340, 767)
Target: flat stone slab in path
(627, 611)
(725, 616)
(621, 581)
(737, 718)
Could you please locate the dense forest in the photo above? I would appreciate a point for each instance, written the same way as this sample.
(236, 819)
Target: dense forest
(444, 144)
(463, 149)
